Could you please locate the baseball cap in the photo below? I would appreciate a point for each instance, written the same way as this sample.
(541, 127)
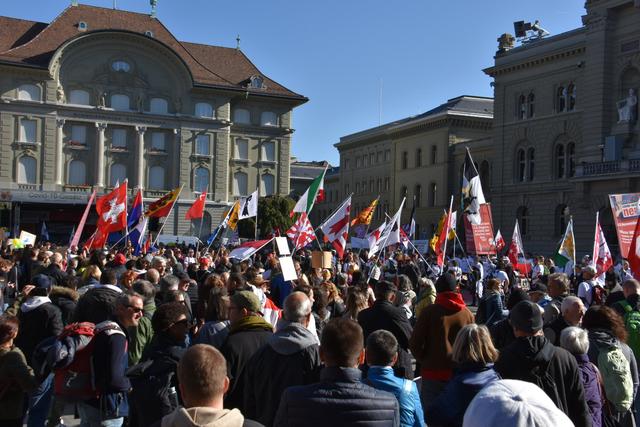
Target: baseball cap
(248, 300)
(120, 259)
(526, 316)
(41, 281)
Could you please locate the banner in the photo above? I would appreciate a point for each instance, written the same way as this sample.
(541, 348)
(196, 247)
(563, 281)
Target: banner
(625, 215)
(479, 237)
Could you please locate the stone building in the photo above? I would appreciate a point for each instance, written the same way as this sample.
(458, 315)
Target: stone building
(413, 158)
(101, 95)
(301, 176)
(565, 131)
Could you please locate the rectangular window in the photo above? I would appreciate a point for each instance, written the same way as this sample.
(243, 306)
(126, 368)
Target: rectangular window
(28, 131)
(241, 149)
(372, 159)
(379, 157)
(119, 138)
(203, 143)
(79, 134)
(387, 155)
(269, 151)
(158, 141)
(387, 184)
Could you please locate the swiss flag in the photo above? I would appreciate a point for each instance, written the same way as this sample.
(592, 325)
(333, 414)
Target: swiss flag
(197, 208)
(634, 252)
(336, 227)
(602, 258)
(499, 242)
(112, 210)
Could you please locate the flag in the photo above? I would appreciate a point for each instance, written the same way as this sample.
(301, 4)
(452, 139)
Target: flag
(441, 243)
(197, 208)
(410, 228)
(453, 220)
(138, 234)
(516, 250)
(567, 250)
(634, 250)
(247, 249)
(336, 227)
(44, 233)
(301, 232)
(472, 195)
(602, 258)
(233, 216)
(366, 215)
(433, 242)
(162, 207)
(112, 210)
(213, 235)
(249, 206)
(499, 241)
(390, 235)
(136, 210)
(315, 193)
(76, 237)
(374, 237)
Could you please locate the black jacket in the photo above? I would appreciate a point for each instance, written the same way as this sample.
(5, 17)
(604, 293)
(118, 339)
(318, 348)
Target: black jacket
(339, 399)
(39, 319)
(291, 357)
(502, 334)
(384, 315)
(65, 299)
(96, 305)
(553, 330)
(518, 360)
(58, 276)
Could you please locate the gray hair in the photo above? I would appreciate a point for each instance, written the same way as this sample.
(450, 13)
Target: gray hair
(404, 283)
(575, 340)
(158, 260)
(424, 282)
(124, 299)
(169, 283)
(297, 306)
(145, 289)
(568, 303)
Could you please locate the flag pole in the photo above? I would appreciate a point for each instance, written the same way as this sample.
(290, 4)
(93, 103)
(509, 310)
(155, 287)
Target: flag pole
(595, 240)
(366, 231)
(170, 210)
(330, 215)
(444, 250)
(201, 221)
(415, 249)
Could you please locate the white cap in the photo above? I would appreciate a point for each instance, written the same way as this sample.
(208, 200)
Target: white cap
(514, 403)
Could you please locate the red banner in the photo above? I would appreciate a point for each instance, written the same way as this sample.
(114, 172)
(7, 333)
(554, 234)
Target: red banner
(479, 238)
(625, 215)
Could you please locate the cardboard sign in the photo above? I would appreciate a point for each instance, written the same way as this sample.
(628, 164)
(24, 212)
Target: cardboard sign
(479, 238)
(288, 269)
(625, 215)
(283, 246)
(27, 238)
(321, 259)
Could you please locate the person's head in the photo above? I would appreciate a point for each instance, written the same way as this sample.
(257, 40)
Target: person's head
(493, 284)
(169, 283)
(127, 278)
(202, 377)
(174, 295)
(217, 305)
(297, 308)
(515, 296)
(129, 309)
(575, 340)
(382, 348)
(447, 282)
(42, 285)
(93, 272)
(342, 344)
(145, 289)
(526, 319)
(160, 264)
(385, 290)
(243, 304)
(572, 310)
(171, 319)
(153, 276)
(473, 345)
(57, 259)
(589, 272)
(630, 287)
(558, 284)
(108, 278)
(356, 301)
(235, 282)
(603, 317)
(9, 326)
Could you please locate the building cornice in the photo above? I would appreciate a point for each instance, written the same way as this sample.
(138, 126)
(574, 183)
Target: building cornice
(533, 61)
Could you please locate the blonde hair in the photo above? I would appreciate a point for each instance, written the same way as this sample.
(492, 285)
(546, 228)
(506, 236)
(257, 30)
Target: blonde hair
(92, 271)
(473, 344)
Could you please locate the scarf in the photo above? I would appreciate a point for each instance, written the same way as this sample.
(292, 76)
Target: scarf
(450, 300)
(250, 323)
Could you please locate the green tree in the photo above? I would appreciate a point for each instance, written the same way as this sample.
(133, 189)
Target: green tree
(273, 212)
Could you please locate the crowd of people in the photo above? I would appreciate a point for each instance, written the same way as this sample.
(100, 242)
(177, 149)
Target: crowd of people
(182, 338)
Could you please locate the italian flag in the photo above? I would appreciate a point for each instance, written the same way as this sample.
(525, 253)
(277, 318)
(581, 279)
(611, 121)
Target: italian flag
(567, 250)
(315, 193)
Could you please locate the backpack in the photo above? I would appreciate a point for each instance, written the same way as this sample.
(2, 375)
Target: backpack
(540, 376)
(597, 295)
(616, 376)
(632, 324)
(74, 375)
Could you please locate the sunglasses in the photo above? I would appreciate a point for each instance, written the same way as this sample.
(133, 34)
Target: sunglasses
(136, 309)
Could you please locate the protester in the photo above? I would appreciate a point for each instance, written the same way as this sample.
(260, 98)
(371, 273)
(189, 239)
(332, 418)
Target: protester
(590, 291)
(216, 328)
(558, 284)
(571, 312)
(490, 308)
(502, 332)
(340, 398)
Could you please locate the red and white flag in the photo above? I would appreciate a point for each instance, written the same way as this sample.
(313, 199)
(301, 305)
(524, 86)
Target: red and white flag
(634, 250)
(499, 241)
(374, 238)
(336, 227)
(516, 251)
(602, 258)
(390, 234)
(197, 208)
(301, 232)
(112, 215)
(247, 249)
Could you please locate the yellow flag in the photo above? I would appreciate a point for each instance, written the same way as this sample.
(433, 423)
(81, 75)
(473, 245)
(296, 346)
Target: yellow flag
(366, 215)
(433, 243)
(233, 218)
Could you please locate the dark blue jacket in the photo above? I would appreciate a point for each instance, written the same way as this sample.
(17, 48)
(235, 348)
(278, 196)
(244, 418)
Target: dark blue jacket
(382, 378)
(490, 309)
(339, 399)
(449, 408)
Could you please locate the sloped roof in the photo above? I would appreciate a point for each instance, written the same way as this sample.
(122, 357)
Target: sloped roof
(34, 43)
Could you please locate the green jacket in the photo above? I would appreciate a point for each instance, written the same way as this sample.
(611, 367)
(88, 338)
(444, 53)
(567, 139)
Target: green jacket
(139, 337)
(16, 379)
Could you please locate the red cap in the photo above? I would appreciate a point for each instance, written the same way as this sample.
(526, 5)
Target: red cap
(120, 259)
(204, 261)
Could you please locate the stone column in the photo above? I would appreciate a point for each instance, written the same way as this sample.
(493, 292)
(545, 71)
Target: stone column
(100, 127)
(175, 151)
(59, 152)
(140, 156)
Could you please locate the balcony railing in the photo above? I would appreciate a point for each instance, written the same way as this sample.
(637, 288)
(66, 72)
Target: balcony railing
(608, 168)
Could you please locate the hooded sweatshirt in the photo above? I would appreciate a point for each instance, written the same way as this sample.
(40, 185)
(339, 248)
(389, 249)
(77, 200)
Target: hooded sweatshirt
(203, 417)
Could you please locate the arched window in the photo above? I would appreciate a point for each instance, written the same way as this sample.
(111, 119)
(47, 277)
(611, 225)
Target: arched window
(118, 174)
(531, 163)
(241, 149)
(240, 184)
(522, 107)
(560, 161)
(522, 214)
(268, 118)
(433, 195)
(158, 106)
(119, 138)
(572, 93)
(405, 160)
(120, 102)
(79, 134)
(571, 159)
(79, 97)
(562, 219)
(204, 109)
(531, 105)
(242, 116)
(268, 184)
(200, 179)
(561, 99)
(269, 151)
(29, 93)
(203, 144)
(156, 178)
(485, 176)
(434, 154)
(418, 157)
(27, 170)
(77, 173)
(521, 165)
(28, 131)
(158, 141)
(417, 195)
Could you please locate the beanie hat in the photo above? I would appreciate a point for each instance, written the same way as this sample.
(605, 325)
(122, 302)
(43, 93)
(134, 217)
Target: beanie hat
(446, 283)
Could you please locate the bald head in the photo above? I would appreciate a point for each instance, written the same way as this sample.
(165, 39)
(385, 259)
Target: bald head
(297, 308)
(630, 287)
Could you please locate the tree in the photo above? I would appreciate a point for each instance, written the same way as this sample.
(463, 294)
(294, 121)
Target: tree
(273, 213)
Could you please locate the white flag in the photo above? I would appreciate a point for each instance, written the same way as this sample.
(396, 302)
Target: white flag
(249, 206)
(390, 235)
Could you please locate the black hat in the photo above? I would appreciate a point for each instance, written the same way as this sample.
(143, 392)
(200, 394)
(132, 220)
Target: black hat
(446, 283)
(385, 286)
(526, 316)
(538, 287)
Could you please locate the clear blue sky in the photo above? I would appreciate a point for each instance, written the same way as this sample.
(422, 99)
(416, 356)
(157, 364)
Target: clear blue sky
(337, 52)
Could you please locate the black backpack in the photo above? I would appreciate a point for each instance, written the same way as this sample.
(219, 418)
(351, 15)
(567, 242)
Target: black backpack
(540, 376)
